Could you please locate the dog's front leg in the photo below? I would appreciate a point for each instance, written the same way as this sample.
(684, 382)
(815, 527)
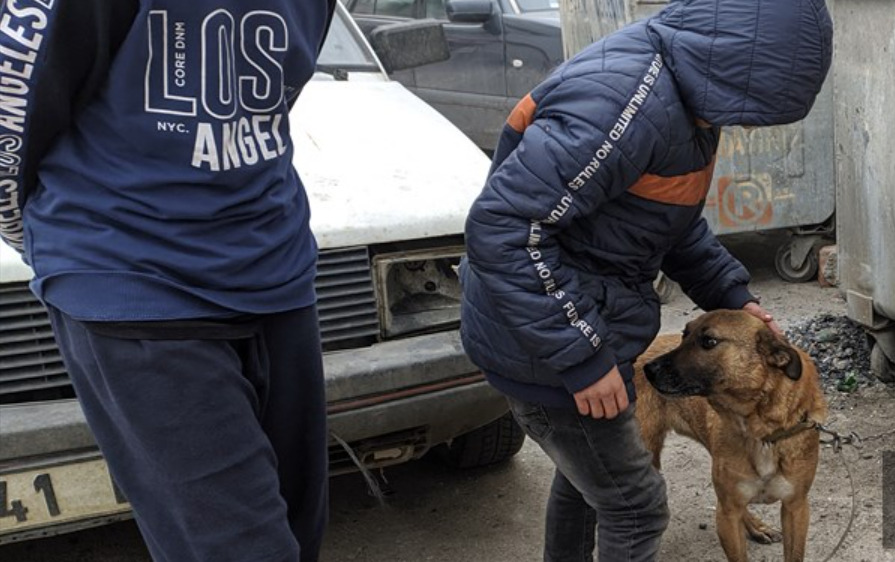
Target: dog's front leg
(731, 530)
(794, 513)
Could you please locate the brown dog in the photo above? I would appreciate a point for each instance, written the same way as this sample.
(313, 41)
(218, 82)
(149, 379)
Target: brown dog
(752, 400)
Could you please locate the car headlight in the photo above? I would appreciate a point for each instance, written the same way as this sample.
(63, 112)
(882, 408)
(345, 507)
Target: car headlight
(418, 291)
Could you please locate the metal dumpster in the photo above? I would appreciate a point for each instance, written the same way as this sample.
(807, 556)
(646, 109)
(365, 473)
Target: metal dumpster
(766, 178)
(864, 80)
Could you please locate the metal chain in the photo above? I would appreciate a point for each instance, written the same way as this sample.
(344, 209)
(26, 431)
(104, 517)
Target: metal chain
(854, 504)
(879, 435)
(837, 440)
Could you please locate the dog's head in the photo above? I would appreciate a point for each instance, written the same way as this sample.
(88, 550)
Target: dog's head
(729, 356)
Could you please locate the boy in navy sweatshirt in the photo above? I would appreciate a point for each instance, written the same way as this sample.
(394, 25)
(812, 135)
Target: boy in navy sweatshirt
(154, 197)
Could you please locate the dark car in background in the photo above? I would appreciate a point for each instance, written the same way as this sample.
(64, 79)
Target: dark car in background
(500, 49)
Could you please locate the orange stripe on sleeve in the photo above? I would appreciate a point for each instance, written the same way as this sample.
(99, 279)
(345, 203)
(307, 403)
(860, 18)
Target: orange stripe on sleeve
(523, 114)
(688, 189)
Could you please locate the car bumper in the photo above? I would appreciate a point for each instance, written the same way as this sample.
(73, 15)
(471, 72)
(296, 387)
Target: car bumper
(397, 399)
(425, 386)
(387, 404)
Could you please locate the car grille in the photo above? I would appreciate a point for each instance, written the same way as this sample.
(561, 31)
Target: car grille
(31, 367)
(29, 359)
(346, 300)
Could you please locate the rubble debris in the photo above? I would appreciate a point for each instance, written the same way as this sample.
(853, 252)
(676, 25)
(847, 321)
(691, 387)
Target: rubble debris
(839, 347)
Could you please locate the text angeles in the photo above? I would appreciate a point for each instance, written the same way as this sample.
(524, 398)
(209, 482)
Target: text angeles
(239, 71)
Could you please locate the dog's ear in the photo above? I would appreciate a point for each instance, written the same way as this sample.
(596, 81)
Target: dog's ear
(778, 353)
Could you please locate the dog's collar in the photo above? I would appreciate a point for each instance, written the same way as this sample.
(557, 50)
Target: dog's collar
(786, 433)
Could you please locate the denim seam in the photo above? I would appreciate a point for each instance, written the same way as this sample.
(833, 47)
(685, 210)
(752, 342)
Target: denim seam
(582, 555)
(636, 530)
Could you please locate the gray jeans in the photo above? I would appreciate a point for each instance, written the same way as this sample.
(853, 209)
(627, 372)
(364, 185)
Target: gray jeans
(604, 476)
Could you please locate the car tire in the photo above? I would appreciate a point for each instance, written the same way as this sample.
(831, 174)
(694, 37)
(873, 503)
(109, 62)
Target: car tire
(490, 444)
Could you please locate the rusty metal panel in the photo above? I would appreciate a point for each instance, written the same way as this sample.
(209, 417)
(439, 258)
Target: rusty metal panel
(775, 177)
(864, 80)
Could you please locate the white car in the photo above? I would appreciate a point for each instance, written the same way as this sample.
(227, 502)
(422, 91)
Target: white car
(390, 181)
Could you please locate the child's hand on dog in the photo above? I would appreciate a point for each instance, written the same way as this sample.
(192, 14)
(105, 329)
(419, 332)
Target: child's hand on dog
(757, 311)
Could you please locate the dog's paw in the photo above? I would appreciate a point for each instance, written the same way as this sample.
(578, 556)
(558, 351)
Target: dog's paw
(766, 536)
(761, 532)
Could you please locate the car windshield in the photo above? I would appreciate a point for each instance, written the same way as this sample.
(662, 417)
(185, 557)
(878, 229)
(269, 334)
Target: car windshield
(537, 5)
(344, 47)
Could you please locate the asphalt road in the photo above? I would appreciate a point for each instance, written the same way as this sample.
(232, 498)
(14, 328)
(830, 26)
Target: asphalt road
(496, 515)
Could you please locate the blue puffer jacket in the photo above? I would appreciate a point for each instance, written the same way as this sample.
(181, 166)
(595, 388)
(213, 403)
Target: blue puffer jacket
(599, 181)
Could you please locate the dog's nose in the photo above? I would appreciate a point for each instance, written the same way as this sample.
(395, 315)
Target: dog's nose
(652, 369)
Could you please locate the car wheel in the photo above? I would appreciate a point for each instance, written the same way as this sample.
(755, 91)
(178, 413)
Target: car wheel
(489, 444)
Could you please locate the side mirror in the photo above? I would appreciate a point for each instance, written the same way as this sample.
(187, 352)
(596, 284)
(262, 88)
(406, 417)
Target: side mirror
(408, 44)
(469, 11)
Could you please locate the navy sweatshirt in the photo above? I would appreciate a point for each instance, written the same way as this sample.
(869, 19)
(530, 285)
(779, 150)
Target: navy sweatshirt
(147, 164)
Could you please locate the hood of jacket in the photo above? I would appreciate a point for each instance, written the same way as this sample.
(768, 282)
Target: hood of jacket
(746, 62)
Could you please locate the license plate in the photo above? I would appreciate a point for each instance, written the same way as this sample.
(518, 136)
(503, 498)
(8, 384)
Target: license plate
(57, 494)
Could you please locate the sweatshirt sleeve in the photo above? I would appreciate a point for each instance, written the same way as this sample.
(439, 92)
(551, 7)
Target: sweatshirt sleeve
(706, 271)
(53, 58)
(582, 142)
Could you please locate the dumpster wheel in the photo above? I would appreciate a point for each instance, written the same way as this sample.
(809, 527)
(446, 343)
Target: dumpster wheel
(795, 273)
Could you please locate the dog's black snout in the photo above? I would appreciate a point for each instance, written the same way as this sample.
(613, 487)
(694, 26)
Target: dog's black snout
(652, 369)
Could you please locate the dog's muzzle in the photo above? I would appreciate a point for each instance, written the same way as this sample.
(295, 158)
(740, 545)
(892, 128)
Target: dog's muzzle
(665, 378)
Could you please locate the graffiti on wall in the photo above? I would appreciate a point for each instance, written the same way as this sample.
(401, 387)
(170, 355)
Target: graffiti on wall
(753, 177)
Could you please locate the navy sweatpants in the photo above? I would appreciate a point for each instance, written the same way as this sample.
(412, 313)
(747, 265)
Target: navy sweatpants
(215, 432)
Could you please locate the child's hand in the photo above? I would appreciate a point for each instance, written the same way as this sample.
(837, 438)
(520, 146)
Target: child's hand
(757, 311)
(606, 398)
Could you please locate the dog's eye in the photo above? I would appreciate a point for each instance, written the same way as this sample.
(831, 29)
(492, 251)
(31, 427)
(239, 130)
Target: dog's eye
(708, 342)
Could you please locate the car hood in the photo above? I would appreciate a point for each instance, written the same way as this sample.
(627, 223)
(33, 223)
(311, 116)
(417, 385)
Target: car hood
(12, 268)
(379, 165)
